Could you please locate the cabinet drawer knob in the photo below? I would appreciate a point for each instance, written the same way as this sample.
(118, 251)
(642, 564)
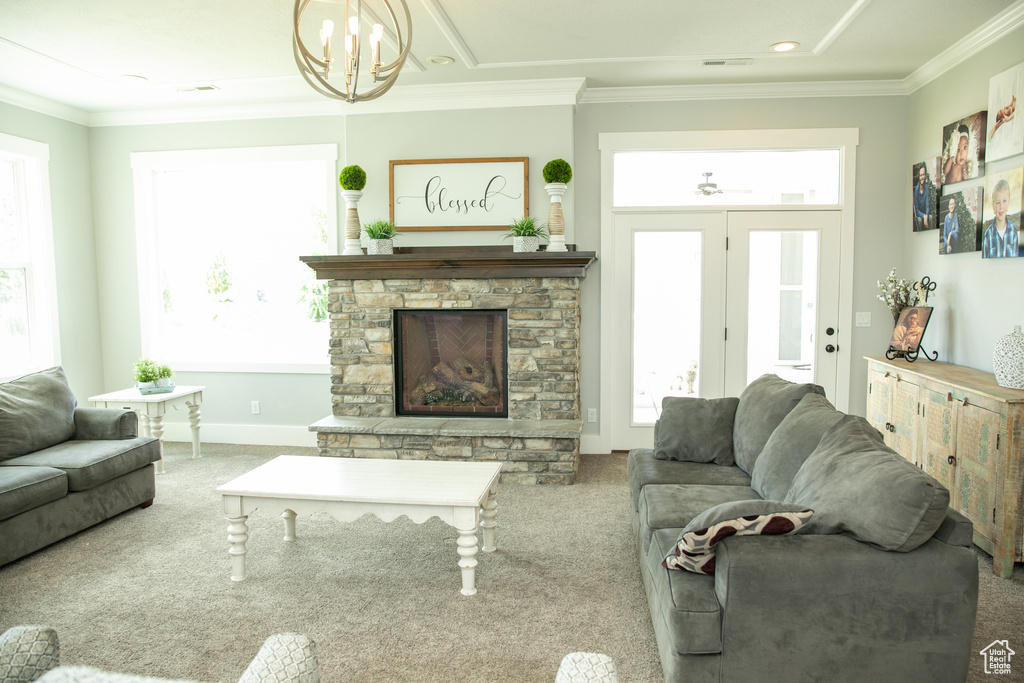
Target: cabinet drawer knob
(951, 460)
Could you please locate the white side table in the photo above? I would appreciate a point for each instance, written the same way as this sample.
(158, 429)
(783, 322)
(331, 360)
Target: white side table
(151, 409)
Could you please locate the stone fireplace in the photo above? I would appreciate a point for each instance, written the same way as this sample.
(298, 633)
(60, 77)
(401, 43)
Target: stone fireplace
(535, 296)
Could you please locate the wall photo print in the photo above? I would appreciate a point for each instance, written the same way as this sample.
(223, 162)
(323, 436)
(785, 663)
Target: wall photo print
(925, 191)
(906, 336)
(1005, 128)
(1003, 198)
(960, 221)
(963, 149)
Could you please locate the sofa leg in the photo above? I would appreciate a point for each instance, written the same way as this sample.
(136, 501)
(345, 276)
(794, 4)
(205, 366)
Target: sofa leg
(143, 506)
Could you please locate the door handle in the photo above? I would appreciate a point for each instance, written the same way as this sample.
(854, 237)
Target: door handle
(831, 349)
(830, 331)
(951, 460)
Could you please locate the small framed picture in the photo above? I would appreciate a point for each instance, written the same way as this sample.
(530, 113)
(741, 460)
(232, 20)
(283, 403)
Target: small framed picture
(963, 148)
(909, 329)
(960, 221)
(925, 190)
(1004, 196)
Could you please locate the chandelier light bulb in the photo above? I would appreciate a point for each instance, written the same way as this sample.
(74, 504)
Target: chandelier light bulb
(326, 32)
(353, 25)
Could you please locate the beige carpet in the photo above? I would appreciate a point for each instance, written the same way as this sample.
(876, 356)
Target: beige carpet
(149, 592)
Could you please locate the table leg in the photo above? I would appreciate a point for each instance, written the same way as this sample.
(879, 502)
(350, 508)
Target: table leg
(466, 523)
(144, 425)
(289, 525)
(193, 420)
(488, 524)
(156, 430)
(238, 534)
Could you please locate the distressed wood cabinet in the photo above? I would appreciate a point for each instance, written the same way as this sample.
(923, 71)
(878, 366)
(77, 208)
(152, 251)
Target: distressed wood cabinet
(965, 430)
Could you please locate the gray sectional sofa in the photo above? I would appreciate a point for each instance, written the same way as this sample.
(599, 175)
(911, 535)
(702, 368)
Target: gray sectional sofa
(810, 551)
(64, 468)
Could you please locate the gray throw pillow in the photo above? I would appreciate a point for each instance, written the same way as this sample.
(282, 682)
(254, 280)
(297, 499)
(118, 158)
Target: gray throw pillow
(859, 486)
(695, 429)
(763, 404)
(790, 444)
(36, 411)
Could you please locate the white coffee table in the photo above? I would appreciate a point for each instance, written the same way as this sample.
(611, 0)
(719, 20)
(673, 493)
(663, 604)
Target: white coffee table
(460, 494)
(152, 408)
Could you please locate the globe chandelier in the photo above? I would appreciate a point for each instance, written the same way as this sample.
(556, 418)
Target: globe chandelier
(316, 71)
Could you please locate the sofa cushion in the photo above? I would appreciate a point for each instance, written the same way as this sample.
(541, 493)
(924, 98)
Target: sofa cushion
(694, 551)
(684, 606)
(858, 486)
(643, 468)
(25, 488)
(89, 463)
(36, 411)
(675, 505)
(695, 429)
(762, 406)
(790, 444)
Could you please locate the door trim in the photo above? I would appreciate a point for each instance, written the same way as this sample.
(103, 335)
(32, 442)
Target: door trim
(845, 139)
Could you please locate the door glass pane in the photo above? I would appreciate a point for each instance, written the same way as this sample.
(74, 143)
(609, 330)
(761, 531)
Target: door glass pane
(666, 319)
(782, 305)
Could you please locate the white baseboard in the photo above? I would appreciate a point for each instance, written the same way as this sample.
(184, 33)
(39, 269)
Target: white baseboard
(593, 444)
(259, 435)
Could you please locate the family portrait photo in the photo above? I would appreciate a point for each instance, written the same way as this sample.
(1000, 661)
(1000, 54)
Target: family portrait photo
(925, 189)
(910, 328)
(1005, 128)
(959, 221)
(1002, 216)
(963, 148)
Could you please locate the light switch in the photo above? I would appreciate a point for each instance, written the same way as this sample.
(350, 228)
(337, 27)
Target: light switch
(863, 319)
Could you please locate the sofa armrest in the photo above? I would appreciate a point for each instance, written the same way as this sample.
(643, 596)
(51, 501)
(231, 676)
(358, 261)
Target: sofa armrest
(28, 652)
(284, 658)
(835, 604)
(105, 423)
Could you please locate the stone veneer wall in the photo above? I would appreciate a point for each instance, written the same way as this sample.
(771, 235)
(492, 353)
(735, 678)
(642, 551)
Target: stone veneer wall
(543, 340)
(538, 443)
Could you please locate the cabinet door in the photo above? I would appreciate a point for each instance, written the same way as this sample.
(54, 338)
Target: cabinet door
(880, 384)
(976, 463)
(939, 438)
(904, 420)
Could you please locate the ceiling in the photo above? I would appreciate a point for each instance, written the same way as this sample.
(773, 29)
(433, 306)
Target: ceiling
(75, 53)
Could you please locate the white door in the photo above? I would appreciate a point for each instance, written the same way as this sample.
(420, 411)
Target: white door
(783, 298)
(692, 319)
(669, 315)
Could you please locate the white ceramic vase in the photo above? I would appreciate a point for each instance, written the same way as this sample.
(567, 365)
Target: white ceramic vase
(1008, 360)
(352, 247)
(380, 247)
(525, 243)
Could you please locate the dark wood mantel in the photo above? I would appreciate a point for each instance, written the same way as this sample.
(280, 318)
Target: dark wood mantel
(449, 262)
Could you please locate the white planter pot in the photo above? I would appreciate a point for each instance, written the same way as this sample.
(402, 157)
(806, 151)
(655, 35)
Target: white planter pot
(556, 220)
(155, 387)
(1008, 360)
(380, 247)
(523, 244)
(352, 247)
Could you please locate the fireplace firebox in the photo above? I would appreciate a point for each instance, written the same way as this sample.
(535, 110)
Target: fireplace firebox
(451, 364)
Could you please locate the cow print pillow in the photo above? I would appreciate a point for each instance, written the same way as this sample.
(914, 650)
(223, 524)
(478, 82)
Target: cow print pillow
(695, 549)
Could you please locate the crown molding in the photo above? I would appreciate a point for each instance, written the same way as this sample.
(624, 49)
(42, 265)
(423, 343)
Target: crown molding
(42, 105)
(997, 27)
(744, 91)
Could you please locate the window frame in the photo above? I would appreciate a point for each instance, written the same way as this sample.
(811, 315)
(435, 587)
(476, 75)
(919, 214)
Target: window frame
(31, 160)
(145, 166)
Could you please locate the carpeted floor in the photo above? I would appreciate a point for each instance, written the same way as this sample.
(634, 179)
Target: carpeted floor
(149, 591)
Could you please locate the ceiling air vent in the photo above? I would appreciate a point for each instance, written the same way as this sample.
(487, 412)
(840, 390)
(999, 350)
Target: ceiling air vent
(727, 62)
(199, 88)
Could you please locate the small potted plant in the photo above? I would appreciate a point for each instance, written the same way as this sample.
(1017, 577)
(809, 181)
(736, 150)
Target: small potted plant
(526, 233)
(352, 180)
(557, 174)
(149, 375)
(381, 234)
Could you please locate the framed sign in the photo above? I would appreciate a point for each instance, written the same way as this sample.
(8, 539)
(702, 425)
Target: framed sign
(459, 194)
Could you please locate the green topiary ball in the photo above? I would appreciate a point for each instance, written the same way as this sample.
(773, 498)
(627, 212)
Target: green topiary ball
(352, 178)
(557, 171)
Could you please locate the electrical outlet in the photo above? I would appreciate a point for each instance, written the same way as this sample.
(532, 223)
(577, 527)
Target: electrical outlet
(863, 319)
(255, 407)
(591, 414)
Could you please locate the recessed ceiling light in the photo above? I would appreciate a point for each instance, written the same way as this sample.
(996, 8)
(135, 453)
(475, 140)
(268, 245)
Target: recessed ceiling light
(785, 46)
(132, 79)
(440, 60)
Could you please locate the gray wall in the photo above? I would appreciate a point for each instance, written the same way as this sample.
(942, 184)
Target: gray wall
(74, 242)
(977, 300)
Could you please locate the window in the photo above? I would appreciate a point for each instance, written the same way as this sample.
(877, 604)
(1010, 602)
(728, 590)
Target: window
(220, 235)
(28, 303)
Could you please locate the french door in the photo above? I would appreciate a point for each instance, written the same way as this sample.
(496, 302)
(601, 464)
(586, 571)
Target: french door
(695, 317)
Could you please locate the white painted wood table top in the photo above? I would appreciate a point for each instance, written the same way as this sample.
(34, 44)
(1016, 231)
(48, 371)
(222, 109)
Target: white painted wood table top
(460, 494)
(152, 408)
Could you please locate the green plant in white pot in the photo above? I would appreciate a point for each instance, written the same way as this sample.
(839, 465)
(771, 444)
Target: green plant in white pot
(151, 378)
(526, 234)
(380, 234)
(557, 174)
(352, 180)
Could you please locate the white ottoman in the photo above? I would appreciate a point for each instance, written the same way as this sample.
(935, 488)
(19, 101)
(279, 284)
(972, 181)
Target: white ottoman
(586, 667)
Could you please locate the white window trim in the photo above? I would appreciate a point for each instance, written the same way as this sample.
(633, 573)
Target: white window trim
(41, 272)
(144, 167)
(844, 139)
